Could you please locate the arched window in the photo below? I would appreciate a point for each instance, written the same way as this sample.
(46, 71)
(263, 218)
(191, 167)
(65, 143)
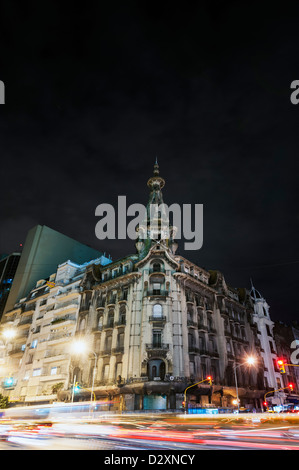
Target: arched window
(122, 315)
(100, 322)
(190, 313)
(157, 311)
(82, 324)
(156, 368)
(157, 267)
(110, 319)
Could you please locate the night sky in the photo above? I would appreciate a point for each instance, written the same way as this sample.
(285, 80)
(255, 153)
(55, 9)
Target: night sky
(95, 92)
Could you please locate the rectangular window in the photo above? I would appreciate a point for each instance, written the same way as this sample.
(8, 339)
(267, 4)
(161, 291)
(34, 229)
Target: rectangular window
(53, 370)
(157, 338)
(36, 372)
(106, 371)
(120, 341)
(156, 288)
(27, 375)
(118, 369)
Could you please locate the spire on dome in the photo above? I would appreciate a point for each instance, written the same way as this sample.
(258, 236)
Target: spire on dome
(155, 226)
(254, 292)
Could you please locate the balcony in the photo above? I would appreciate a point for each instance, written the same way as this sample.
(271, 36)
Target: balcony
(212, 330)
(120, 322)
(118, 350)
(109, 325)
(101, 304)
(68, 294)
(105, 352)
(50, 377)
(65, 307)
(29, 309)
(157, 293)
(203, 352)
(17, 351)
(25, 321)
(213, 353)
(157, 349)
(202, 327)
(8, 319)
(60, 337)
(157, 319)
(55, 355)
(64, 321)
(157, 270)
(123, 297)
(157, 346)
(111, 301)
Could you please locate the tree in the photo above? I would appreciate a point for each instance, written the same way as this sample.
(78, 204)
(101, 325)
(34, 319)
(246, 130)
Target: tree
(57, 387)
(4, 401)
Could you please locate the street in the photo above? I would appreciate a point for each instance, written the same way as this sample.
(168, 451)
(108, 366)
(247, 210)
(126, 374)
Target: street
(154, 432)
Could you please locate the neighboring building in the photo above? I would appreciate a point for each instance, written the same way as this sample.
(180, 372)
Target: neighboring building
(8, 267)
(158, 323)
(285, 337)
(37, 361)
(43, 250)
(265, 326)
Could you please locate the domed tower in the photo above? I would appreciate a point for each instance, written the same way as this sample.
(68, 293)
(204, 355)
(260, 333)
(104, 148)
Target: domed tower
(155, 227)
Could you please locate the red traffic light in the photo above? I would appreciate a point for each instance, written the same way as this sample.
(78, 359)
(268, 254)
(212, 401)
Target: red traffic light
(209, 378)
(280, 363)
(291, 386)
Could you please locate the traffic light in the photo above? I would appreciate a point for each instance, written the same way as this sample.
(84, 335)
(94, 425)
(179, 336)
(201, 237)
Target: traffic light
(265, 403)
(183, 404)
(281, 367)
(291, 387)
(76, 387)
(210, 380)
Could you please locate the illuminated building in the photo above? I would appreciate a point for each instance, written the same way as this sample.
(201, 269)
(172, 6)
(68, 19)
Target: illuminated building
(261, 317)
(36, 360)
(43, 250)
(157, 323)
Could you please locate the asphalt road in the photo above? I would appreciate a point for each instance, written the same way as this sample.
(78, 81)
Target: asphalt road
(146, 433)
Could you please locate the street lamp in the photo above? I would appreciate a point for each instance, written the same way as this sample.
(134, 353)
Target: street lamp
(78, 347)
(8, 334)
(250, 361)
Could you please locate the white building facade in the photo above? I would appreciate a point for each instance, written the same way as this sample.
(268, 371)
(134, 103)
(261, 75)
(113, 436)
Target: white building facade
(36, 360)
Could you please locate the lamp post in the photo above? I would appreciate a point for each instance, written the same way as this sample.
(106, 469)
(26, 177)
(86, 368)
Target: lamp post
(249, 361)
(93, 373)
(8, 334)
(80, 347)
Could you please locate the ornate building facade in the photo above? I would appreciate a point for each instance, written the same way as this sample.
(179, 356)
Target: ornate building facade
(158, 323)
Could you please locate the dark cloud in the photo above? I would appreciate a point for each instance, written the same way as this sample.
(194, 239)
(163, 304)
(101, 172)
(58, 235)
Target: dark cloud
(94, 93)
